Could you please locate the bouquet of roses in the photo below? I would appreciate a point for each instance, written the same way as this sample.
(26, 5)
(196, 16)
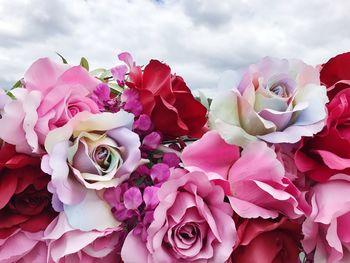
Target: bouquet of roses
(126, 165)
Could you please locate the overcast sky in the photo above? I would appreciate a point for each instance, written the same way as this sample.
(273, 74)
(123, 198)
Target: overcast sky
(199, 39)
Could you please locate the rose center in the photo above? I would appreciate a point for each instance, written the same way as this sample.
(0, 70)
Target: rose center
(102, 156)
(73, 110)
(188, 233)
(280, 90)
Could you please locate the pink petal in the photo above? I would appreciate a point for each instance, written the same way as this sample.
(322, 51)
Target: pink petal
(333, 161)
(150, 197)
(119, 72)
(211, 154)
(134, 249)
(78, 77)
(43, 74)
(126, 58)
(249, 210)
(132, 198)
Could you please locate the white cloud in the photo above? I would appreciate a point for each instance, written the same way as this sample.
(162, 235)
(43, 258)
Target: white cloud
(199, 39)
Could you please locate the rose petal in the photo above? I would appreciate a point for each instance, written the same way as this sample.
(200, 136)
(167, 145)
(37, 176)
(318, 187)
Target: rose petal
(90, 214)
(201, 154)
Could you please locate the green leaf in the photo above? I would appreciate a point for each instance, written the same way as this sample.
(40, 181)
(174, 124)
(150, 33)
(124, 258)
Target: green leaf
(18, 84)
(10, 95)
(116, 87)
(84, 63)
(97, 73)
(63, 59)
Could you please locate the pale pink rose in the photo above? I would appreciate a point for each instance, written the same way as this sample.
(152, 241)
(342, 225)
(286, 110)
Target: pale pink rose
(192, 223)
(66, 244)
(52, 95)
(23, 247)
(327, 229)
(254, 179)
(276, 100)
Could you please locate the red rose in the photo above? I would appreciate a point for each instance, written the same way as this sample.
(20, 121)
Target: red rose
(335, 74)
(267, 241)
(25, 202)
(168, 101)
(327, 153)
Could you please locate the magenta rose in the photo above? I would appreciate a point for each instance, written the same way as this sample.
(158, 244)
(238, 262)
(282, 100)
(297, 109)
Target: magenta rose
(327, 229)
(51, 96)
(192, 223)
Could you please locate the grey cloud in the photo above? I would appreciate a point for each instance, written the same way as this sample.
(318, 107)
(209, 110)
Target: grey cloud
(33, 21)
(198, 39)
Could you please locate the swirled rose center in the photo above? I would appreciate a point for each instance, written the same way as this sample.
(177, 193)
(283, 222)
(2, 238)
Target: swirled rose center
(102, 156)
(188, 233)
(279, 90)
(282, 86)
(73, 110)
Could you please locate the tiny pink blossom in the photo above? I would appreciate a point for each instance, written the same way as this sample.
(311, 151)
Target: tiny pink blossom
(143, 123)
(132, 198)
(171, 159)
(160, 172)
(119, 72)
(152, 141)
(150, 197)
(133, 106)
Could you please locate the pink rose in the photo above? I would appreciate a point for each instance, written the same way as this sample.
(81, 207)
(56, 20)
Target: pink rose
(70, 245)
(327, 229)
(52, 95)
(254, 179)
(23, 247)
(192, 223)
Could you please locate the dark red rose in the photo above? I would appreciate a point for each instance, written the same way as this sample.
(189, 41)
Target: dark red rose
(25, 202)
(328, 152)
(267, 241)
(335, 74)
(168, 101)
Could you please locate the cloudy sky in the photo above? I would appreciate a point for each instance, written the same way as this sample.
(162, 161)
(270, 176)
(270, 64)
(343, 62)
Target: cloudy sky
(199, 39)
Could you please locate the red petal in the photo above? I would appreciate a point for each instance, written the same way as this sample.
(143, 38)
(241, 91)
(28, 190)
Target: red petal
(6, 152)
(166, 119)
(6, 232)
(191, 112)
(8, 184)
(147, 101)
(9, 220)
(178, 84)
(336, 69)
(37, 223)
(135, 76)
(157, 79)
(21, 160)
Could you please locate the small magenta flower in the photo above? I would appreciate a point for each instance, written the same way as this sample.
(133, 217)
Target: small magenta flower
(160, 173)
(150, 197)
(152, 141)
(171, 159)
(132, 198)
(143, 123)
